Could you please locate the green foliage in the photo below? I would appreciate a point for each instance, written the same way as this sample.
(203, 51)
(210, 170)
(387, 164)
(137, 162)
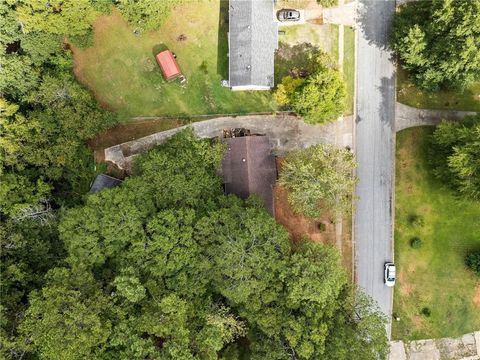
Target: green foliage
(472, 260)
(455, 155)
(438, 42)
(182, 268)
(64, 319)
(18, 75)
(328, 3)
(320, 97)
(147, 15)
(426, 312)
(416, 242)
(319, 178)
(43, 47)
(57, 16)
(415, 220)
(46, 145)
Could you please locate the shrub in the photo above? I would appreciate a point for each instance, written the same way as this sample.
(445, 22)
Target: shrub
(472, 260)
(426, 312)
(415, 220)
(416, 242)
(322, 226)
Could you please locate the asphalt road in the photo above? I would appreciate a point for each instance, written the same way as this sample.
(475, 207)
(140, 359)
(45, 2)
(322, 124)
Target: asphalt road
(374, 150)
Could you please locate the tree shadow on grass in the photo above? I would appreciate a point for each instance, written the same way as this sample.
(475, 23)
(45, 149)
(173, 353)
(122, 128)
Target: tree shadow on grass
(222, 42)
(158, 48)
(290, 59)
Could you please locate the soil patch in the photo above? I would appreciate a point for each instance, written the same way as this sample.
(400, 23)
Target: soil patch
(476, 297)
(321, 229)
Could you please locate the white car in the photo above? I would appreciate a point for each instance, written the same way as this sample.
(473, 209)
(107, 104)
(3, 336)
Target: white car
(389, 278)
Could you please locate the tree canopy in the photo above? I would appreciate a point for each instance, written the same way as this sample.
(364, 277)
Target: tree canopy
(317, 92)
(319, 178)
(455, 155)
(438, 42)
(154, 272)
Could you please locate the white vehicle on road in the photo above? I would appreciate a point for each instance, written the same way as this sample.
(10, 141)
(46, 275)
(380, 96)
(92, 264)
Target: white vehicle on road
(389, 274)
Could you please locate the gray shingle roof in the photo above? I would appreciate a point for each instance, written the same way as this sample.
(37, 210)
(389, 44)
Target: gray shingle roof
(248, 167)
(103, 181)
(253, 39)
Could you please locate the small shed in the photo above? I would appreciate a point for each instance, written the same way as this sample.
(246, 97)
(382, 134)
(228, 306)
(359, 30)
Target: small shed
(169, 65)
(103, 181)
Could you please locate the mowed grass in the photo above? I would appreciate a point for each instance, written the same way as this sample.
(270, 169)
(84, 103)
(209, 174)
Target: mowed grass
(349, 66)
(433, 276)
(121, 70)
(409, 94)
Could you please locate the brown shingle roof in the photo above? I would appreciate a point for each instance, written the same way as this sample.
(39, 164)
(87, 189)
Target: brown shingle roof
(248, 167)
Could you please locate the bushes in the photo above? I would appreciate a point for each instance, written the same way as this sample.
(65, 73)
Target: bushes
(416, 242)
(316, 91)
(415, 220)
(426, 312)
(472, 260)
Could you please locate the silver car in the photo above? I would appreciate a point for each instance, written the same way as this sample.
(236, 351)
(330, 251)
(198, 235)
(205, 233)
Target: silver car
(389, 270)
(288, 15)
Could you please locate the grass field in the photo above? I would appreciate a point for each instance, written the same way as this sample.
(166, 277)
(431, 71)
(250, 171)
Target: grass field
(349, 66)
(408, 94)
(433, 276)
(121, 70)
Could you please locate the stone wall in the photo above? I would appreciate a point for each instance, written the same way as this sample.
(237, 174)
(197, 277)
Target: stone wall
(466, 347)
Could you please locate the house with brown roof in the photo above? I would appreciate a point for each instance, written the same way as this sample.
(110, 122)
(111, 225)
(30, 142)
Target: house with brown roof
(249, 167)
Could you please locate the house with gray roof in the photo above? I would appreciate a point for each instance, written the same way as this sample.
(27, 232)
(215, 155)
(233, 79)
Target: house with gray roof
(252, 41)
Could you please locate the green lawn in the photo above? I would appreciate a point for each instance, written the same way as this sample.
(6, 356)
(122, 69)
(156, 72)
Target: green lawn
(433, 276)
(121, 70)
(407, 93)
(349, 66)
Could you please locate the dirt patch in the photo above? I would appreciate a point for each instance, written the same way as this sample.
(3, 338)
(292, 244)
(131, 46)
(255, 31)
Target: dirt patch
(406, 289)
(130, 131)
(321, 229)
(476, 297)
(418, 322)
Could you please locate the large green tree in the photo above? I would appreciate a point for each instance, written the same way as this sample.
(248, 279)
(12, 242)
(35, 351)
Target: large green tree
(438, 42)
(182, 264)
(319, 179)
(56, 16)
(455, 155)
(147, 15)
(317, 92)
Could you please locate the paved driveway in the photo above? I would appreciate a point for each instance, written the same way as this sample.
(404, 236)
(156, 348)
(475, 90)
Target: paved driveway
(375, 150)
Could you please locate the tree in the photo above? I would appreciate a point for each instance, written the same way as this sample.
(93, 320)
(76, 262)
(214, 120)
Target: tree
(147, 15)
(319, 97)
(455, 155)
(153, 271)
(64, 319)
(318, 179)
(438, 42)
(472, 260)
(57, 16)
(18, 75)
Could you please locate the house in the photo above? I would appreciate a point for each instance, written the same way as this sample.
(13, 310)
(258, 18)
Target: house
(104, 181)
(252, 41)
(167, 62)
(248, 167)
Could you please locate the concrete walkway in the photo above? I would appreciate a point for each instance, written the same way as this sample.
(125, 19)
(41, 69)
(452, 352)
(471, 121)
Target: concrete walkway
(286, 132)
(466, 347)
(407, 116)
(344, 14)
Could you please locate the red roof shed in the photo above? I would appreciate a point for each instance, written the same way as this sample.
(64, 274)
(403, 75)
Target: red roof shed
(169, 65)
